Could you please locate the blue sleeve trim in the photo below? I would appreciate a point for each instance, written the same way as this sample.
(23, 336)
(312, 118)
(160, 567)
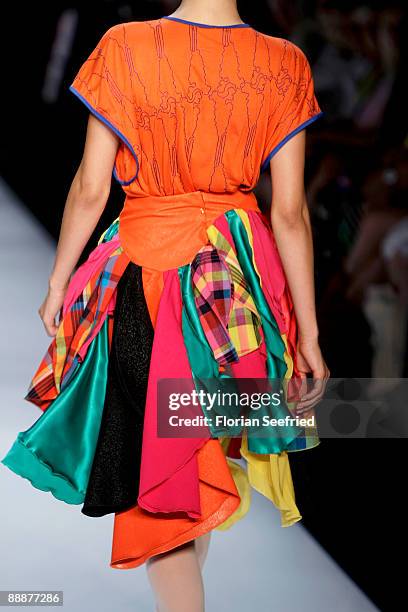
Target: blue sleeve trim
(300, 127)
(115, 130)
(206, 25)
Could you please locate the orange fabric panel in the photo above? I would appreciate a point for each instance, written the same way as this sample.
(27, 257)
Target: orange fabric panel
(152, 286)
(164, 232)
(110, 330)
(138, 535)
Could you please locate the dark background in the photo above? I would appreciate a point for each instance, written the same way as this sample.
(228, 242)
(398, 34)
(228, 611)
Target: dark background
(350, 492)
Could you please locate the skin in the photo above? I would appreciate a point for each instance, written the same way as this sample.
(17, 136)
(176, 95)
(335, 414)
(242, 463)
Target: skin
(291, 226)
(175, 576)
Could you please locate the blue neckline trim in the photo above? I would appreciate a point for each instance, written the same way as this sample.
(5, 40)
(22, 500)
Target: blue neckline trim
(207, 25)
(115, 130)
(300, 127)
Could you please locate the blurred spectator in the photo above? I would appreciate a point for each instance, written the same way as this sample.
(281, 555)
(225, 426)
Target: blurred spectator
(377, 263)
(334, 198)
(394, 250)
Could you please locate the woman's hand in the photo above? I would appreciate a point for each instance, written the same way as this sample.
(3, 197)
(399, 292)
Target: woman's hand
(310, 360)
(50, 308)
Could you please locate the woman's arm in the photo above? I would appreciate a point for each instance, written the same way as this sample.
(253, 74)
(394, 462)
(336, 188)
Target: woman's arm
(85, 203)
(292, 230)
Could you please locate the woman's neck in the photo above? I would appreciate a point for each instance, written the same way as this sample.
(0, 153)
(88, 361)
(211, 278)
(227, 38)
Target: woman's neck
(211, 12)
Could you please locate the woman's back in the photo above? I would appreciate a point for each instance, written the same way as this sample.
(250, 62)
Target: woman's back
(197, 107)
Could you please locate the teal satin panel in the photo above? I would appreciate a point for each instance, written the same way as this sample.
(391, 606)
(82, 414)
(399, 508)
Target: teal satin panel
(291, 437)
(276, 365)
(110, 232)
(205, 366)
(57, 451)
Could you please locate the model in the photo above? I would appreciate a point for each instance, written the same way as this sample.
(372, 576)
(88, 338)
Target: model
(191, 282)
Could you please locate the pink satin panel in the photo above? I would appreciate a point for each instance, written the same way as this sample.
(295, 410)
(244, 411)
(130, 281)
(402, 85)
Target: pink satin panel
(275, 287)
(169, 479)
(96, 261)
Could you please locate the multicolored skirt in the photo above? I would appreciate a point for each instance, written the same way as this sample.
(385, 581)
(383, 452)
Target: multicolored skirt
(123, 328)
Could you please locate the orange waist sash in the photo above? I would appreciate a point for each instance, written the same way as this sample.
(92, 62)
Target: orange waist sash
(164, 232)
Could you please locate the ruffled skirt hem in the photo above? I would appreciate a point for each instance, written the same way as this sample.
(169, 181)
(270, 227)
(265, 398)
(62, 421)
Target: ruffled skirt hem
(96, 442)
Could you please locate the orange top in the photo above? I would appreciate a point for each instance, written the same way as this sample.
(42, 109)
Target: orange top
(197, 109)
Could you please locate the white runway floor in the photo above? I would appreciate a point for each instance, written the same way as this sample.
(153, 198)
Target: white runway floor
(46, 544)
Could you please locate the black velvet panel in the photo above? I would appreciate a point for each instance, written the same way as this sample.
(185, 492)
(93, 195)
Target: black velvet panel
(114, 480)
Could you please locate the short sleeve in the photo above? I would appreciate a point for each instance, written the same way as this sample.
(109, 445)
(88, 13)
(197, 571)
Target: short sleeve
(293, 104)
(104, 84)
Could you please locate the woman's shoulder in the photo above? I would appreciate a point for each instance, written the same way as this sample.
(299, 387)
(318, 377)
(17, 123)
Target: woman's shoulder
(280, 53)
(283, 50)
(130, 27)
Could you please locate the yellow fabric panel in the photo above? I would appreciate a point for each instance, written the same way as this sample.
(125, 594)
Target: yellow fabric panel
(270, 475)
